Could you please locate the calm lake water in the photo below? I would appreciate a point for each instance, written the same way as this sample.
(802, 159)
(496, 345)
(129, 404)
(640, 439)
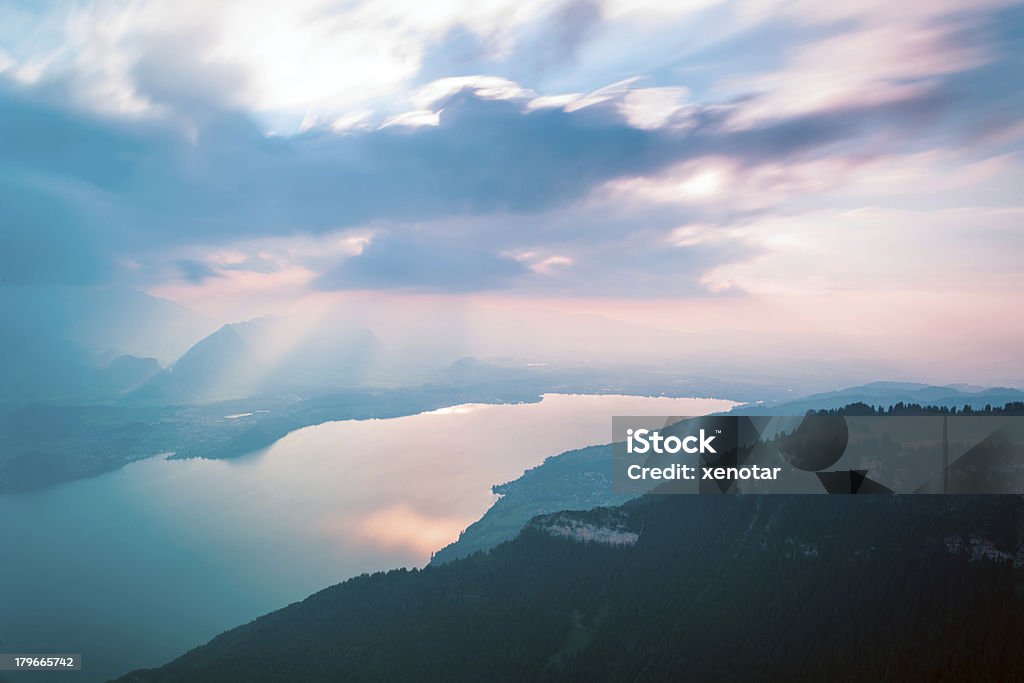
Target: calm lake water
(135, 567)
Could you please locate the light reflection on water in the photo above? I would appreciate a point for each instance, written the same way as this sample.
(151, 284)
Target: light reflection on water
(136, 566)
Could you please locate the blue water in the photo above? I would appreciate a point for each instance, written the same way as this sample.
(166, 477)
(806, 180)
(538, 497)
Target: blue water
(137, 566)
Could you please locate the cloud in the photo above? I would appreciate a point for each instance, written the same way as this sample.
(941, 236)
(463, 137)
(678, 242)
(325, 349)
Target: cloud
(435, 93)
(455, 178)
(49, 233)
(283, 57)
(874, 65)
(394, 262)
(138, 188)
(195, 271)
(878, 249)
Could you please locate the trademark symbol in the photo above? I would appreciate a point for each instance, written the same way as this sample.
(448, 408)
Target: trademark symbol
(718, 431)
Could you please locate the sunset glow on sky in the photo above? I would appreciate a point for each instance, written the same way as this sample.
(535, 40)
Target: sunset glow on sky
(785, 175)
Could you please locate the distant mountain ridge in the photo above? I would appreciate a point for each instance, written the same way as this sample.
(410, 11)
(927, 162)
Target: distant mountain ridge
(127, 373)
(885, 394)
(56, 344)
(265, 356)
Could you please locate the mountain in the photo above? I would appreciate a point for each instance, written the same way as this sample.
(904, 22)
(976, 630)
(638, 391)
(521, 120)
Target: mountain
(266, 356)
(574, 480)
(56, 343)
(100, 320)
(127, 373)
(37, 365)
(214, 368)
(125, 321)
(804, 588)
(886, 394)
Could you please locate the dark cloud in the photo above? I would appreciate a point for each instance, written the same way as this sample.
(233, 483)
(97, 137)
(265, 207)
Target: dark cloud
(80, 191)
(195, 271)
(542, 49)
(559, 39)
(417, 263)
(173, 73)
(49, 233)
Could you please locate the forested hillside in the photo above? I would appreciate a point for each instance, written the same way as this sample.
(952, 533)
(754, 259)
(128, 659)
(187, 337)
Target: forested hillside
(675, 587)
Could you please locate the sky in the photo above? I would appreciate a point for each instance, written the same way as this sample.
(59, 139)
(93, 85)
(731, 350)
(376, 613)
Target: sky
(780, 174)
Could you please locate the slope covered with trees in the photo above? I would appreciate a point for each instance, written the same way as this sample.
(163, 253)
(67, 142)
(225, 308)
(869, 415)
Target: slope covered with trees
(679, 587)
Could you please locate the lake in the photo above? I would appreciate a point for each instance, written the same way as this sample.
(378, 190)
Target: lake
(134, 567)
